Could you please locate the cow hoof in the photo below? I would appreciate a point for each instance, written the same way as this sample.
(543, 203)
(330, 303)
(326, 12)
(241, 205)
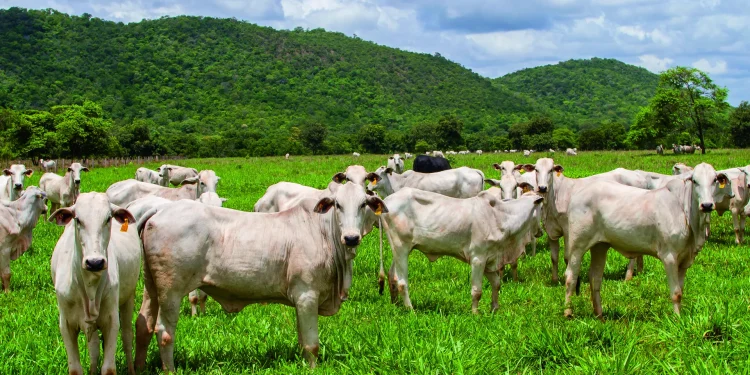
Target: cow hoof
(569, 313)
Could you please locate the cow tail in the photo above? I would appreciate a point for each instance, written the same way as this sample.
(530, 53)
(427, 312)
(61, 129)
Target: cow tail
(381, 274)
(142, 221)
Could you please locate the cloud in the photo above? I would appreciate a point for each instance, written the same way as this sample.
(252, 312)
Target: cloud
(495, 37)
(720, 67)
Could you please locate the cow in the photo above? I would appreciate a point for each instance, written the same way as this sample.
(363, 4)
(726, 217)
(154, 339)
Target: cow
(461, 182)
(286, 156)
(513, 151)
(526, 153)
(355, 154)
(17, 221)
(48, 165)
(396, 163)
(63, 191)
(408, 155)
(464, 152)
(507, 167)
(123, 192)
(285, 195)
(95, 268)
(438, 154)
(478, 152)
(150, 176)
(740, 181)
(552, 150)
(680, 168)
(697, 148)
(687, 149)
(11, 181)
(571, 152)
(430, 164)
(676, 149)
(301, 257)
(660, 150)
(670, 224)
(482, 231)
(176, 174)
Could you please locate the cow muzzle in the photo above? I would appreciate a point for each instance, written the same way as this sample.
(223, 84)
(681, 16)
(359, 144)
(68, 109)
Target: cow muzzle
(352, 240)
(77, 182)
(542, 189)
(18, 186)
(95, 264)
(707, 207)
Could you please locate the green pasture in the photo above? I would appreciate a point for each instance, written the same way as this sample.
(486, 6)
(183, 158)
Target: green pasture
(370, 335)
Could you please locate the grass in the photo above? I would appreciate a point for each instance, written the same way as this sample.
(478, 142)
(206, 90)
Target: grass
(441, 336)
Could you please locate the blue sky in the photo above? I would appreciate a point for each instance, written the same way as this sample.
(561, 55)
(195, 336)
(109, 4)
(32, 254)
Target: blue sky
(496, 37)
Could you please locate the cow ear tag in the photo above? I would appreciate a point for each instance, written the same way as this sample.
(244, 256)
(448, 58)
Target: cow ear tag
(124, 227)
(379, 211)
(374, 181)
(721, 185)
(559, 173)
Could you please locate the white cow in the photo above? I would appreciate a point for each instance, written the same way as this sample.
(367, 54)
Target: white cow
(17, 221)
(740, 181)
(479, 152)
(355, 154)
(482, 231)
(660, 150)
(526, 153)
(150, 176)
(395, 163)
(123, 192)
(670, 224)
(680, 168)
(95, 269)
(63, 191)
(11, 181)
(438, 154)
(571, 152)
(408, 155)
(285, 195)
(461, 182)
(48, 165)
(286, 156)
(301, 257)
(176, 174)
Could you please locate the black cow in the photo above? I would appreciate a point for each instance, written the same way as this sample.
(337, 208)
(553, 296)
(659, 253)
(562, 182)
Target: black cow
(429, 164)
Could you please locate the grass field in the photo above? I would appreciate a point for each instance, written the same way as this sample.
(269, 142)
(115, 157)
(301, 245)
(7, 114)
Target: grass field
(441, 336)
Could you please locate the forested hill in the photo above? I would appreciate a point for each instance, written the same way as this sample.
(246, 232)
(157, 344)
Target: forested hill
(586, 91)
(204, 75)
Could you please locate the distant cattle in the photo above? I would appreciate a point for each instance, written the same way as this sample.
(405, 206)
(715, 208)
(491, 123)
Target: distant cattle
(430, 164)
(123, 192)
(478, 152)
(286, 156)
(48, 165)
(355, 154)
(408, 155)
(680, 168)
(660, 150)
(526, 153)
(63, 191)
(150, 176)
(176, 174)
(461, 182)
(571, 152)
(396, 163)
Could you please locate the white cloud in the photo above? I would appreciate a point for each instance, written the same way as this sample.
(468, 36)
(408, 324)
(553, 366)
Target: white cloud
(513, 44)
(720, 67)
(133, 11)
(654, 63)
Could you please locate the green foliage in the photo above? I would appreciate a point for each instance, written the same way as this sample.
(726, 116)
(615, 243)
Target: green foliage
(564, 138)
(580, 91)
(313, 136)
(372, 138)
(607, 136)
(739, 123)
(448, 132)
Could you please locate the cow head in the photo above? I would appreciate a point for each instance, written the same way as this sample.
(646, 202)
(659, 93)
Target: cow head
(506, 167)
(17, 173)
(680, 168)
(509, 186)
(205, 181)
(349, 205)
(212, 199)
(75, 170)
(380, 180)
(708, 186)
(34, 201)
(546, 170)
(354, 173)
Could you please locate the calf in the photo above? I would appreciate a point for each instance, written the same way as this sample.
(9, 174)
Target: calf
(95, 269)
(482, 231)
(299, 257)
(395, 163)
(151, 177)
(670, 224)
(17, 221)
(63, 191)
(430, 164)
(11, 181)
(458, 183)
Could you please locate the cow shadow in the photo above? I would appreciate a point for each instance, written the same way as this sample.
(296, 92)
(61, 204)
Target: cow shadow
(274, 357)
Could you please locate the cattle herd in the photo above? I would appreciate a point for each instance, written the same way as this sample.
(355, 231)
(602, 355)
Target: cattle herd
(301, 241)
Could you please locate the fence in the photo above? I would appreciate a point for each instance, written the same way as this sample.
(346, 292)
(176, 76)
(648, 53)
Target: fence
(63, 164)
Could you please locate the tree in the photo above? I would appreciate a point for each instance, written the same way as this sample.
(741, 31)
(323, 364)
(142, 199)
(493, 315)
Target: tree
(372, 138)
(564, 138)
(608, 136)
(448, 132)
(739, 125)
(313, 136)
(698, 103)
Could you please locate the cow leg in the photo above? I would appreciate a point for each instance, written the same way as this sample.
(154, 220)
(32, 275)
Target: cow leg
(596, 273)
(673, 279)
(307, 326)
(202, 297)
(554, 252)
(94, 345)
(166, 324)
(742, 226)
(401, 278)
(495, 282)
(571, 279)
(533, 247)
(392, 283)
(69, 334)
(631, 269)
(193, 297)
(514, 270)
(736, 223)
(639, 263)
(146, 321)
(110, 331)
(477, 270)
(126, 325)
(5, 270)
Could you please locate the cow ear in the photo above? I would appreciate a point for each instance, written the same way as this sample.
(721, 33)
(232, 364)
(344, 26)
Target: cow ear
(190, 181)
(63, 216)
(722, 179)
(492, 182)
(369, 192)
(688, 177)
(539, 199)
(7, 172)
(85, 169)
(391, 158)
(496, 166)
(223, 199)
(377, 205)
(529, 167)
(372, 177)
(323, 205)
(29, 172)
(389, 170)
(120, 214)
(526, 187)
(558, 168)
(339, 178)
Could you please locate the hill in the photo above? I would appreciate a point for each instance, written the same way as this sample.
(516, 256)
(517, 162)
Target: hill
(586, 91)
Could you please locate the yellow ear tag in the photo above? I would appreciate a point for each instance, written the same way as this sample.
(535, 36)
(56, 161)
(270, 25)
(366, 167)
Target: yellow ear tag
(526, 190)
(721, 185)
(559, 173)
(374, 182)
(379, 211)
(124, 227)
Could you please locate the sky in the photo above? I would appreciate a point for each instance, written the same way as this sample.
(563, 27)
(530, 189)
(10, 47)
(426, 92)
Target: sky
(495, 37)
